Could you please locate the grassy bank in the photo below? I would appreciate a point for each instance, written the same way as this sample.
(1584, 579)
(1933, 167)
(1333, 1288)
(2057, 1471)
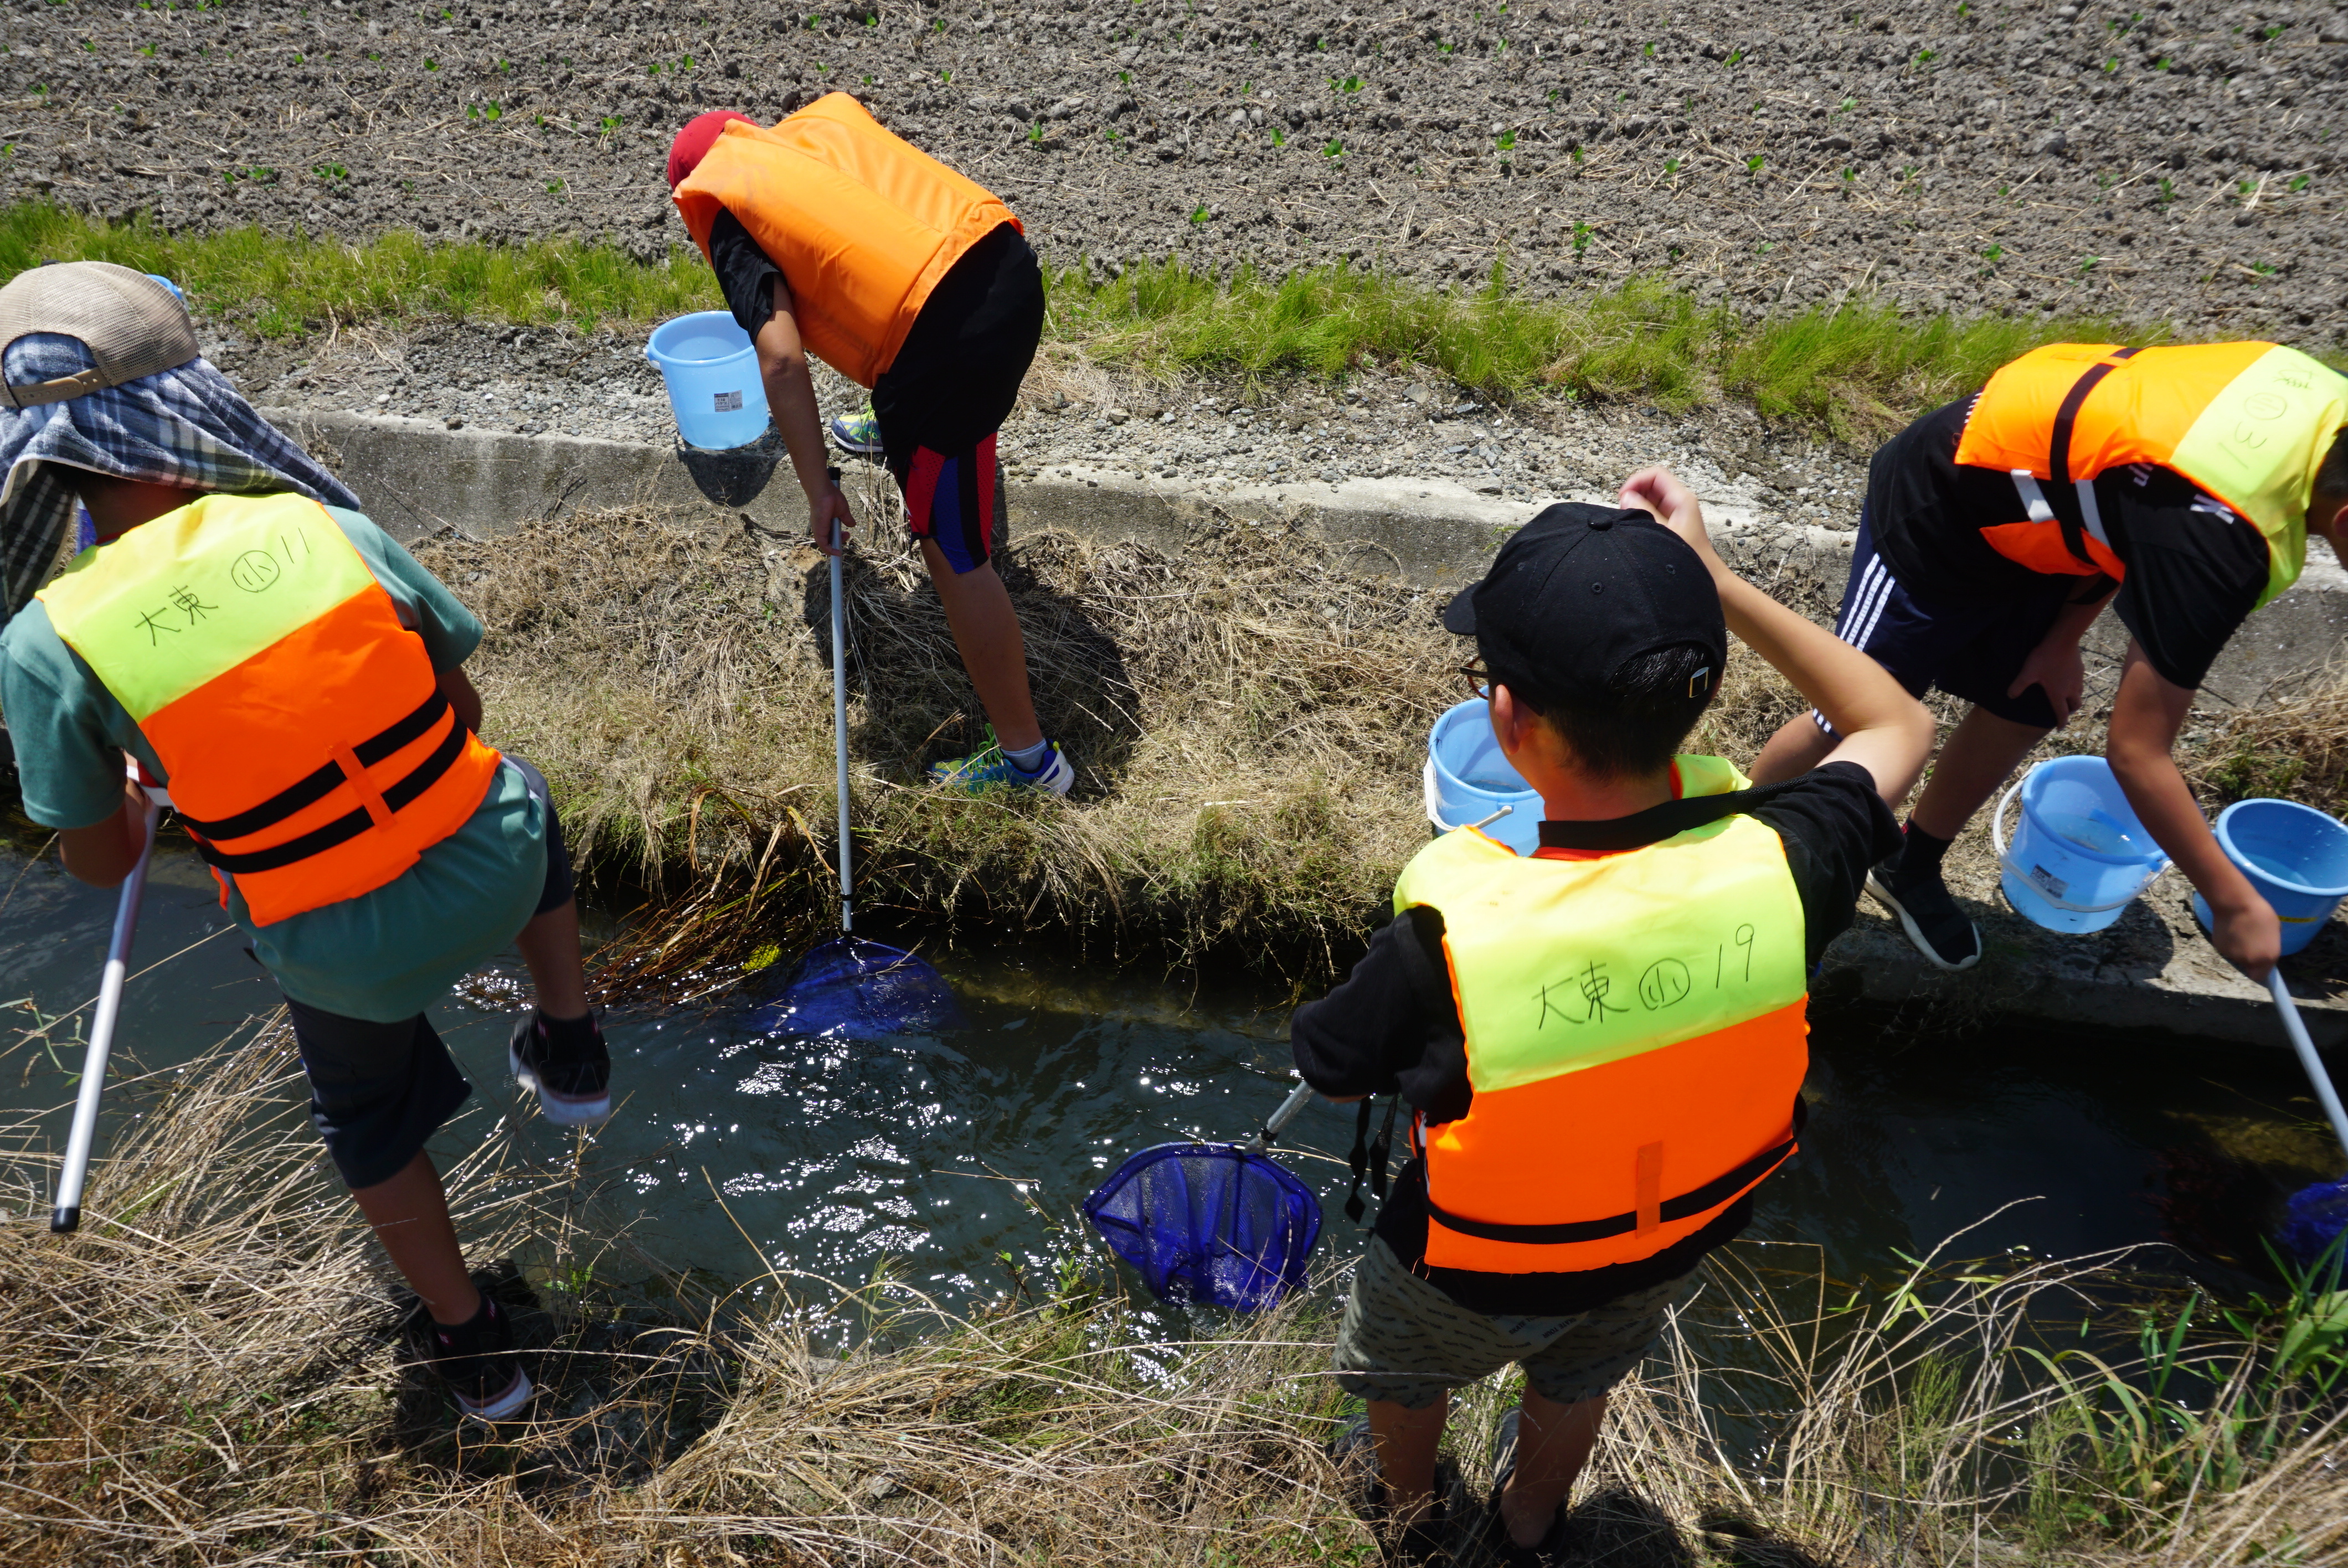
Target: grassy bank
(1246, 720)
(213, 1373)
(1853, 370)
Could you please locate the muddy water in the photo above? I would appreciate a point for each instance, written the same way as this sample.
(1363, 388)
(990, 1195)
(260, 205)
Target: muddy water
(958, 1160)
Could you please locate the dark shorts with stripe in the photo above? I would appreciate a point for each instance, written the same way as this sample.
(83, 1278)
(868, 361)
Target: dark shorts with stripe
(377, 1090)
(952, 383)
(1972, 651)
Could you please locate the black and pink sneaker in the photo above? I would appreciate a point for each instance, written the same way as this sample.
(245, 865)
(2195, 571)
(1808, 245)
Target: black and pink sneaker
(478, 1361)
(566, 1060)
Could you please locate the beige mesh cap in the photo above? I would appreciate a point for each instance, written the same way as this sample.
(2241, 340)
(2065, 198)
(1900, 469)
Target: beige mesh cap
(132, 325)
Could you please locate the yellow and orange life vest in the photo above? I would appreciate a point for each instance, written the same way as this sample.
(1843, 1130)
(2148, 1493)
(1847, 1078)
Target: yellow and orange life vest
(2250, 423)
(862, 223)
(308, 747)
(1637, 1036)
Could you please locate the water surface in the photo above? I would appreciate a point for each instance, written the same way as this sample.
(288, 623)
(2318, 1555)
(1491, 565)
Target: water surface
(957, 1160)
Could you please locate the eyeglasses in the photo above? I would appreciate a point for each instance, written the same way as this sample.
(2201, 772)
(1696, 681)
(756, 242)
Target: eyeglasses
(1479, 679)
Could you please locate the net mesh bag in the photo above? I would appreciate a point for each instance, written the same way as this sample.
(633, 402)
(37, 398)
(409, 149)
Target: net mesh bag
(2313, 1220)
(1208, 1222)
(854, 989)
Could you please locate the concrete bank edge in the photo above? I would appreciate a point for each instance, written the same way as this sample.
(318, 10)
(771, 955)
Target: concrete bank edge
(419, 479)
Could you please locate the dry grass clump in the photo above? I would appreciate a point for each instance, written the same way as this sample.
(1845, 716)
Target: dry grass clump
(1246, 719)
(2292, 743)
(213, 1373)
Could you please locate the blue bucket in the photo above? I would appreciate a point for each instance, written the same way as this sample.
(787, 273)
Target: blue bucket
(2296, 857)
(2079, 856)
(1468, 779)
(712, 374)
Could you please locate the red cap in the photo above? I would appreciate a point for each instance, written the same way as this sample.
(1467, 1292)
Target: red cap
(693, 142)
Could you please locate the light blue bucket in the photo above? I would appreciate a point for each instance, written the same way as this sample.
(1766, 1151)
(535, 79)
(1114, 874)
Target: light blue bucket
(2296, 857)
(712, 374)
(1468, 779)
(2079, 856)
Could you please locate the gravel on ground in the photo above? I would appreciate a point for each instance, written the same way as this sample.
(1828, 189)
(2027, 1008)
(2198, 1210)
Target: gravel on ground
(2176, 161)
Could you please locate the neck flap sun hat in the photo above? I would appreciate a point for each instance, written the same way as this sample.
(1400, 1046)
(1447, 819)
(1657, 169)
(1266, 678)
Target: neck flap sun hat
(693, 142)
(102, 372)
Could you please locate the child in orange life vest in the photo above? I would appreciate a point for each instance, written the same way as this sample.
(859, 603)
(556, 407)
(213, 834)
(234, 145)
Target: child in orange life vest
(2190, 478)
(829, 235)
(1602, 1044)
(296, 680)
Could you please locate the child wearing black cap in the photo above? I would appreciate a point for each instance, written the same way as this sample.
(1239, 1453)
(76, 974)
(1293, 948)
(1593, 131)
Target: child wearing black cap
(1602, 1044)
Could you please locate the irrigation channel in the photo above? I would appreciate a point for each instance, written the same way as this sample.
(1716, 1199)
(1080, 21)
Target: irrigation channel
(960, 1159)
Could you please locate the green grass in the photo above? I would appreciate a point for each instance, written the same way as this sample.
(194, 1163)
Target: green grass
(1853, 371)
(281, 286)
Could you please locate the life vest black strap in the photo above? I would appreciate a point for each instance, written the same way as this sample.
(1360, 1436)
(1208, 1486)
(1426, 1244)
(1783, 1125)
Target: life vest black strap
(2058, 447)
(1688, 1205)
(344, 828)
(327, 780)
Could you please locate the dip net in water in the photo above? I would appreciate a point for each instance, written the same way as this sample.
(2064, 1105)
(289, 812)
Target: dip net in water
(1208, 1222)
(851, 989)
(2314, 1220)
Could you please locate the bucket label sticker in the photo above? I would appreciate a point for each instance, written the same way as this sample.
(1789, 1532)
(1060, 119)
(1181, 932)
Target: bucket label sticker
(729, 402)
(2053, 886)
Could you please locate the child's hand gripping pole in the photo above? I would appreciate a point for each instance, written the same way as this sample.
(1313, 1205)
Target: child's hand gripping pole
(65, 1216)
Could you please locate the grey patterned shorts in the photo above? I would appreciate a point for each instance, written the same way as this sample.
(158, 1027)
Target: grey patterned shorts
(1405, 1342)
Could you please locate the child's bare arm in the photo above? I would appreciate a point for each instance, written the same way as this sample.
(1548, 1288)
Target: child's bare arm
(458, 687)
(103, 853)
(1883, 729)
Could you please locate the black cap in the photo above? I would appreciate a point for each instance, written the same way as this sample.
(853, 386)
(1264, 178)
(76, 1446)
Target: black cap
(1581, 591)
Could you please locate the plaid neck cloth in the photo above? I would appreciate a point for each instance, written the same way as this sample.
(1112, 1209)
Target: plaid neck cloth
(187, 426)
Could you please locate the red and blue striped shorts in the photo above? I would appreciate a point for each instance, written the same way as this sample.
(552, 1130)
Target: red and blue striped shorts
(955, 501)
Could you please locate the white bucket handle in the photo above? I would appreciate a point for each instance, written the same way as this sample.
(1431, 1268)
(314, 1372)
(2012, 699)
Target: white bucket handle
(1997, 840)
(1997, 818)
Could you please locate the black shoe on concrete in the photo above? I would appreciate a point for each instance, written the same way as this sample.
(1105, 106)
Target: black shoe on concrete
(1927, 913)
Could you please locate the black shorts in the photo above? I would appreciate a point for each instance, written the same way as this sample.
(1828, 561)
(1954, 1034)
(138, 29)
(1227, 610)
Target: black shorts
(377, 1090)
(1972, 651)
(954, 382)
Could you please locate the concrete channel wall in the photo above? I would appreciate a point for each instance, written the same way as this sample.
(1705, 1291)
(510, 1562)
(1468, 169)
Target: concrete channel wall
(419, 479)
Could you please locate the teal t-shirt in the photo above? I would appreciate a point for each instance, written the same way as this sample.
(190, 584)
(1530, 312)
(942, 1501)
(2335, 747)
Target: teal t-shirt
(383, 956)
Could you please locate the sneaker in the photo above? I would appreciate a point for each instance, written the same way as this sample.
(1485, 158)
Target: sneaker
(1426, 1542)
(479, 1364)
(858, 433)
(990, 766)
(1927, 913)
(1549, 1551)
(574, 1090)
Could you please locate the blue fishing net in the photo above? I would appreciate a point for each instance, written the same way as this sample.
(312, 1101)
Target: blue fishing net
(2313, 1220)
(1208, 1222)
(851, 989)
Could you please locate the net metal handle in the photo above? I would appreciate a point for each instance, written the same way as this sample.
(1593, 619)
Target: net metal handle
(1277, 1122)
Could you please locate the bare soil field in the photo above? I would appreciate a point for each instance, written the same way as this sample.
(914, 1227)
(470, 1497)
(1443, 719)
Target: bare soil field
(2162, 161)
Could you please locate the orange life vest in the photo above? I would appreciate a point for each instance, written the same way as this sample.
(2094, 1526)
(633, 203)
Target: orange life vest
(862, 223)
(306, 742)
(1637, 1034)
(2250, 423)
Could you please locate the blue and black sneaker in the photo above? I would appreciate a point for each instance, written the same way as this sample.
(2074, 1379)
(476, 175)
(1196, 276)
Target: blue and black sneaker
(858, 433)
(992, 766)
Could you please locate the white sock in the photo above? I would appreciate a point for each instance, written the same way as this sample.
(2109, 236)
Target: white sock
(1032, 760)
